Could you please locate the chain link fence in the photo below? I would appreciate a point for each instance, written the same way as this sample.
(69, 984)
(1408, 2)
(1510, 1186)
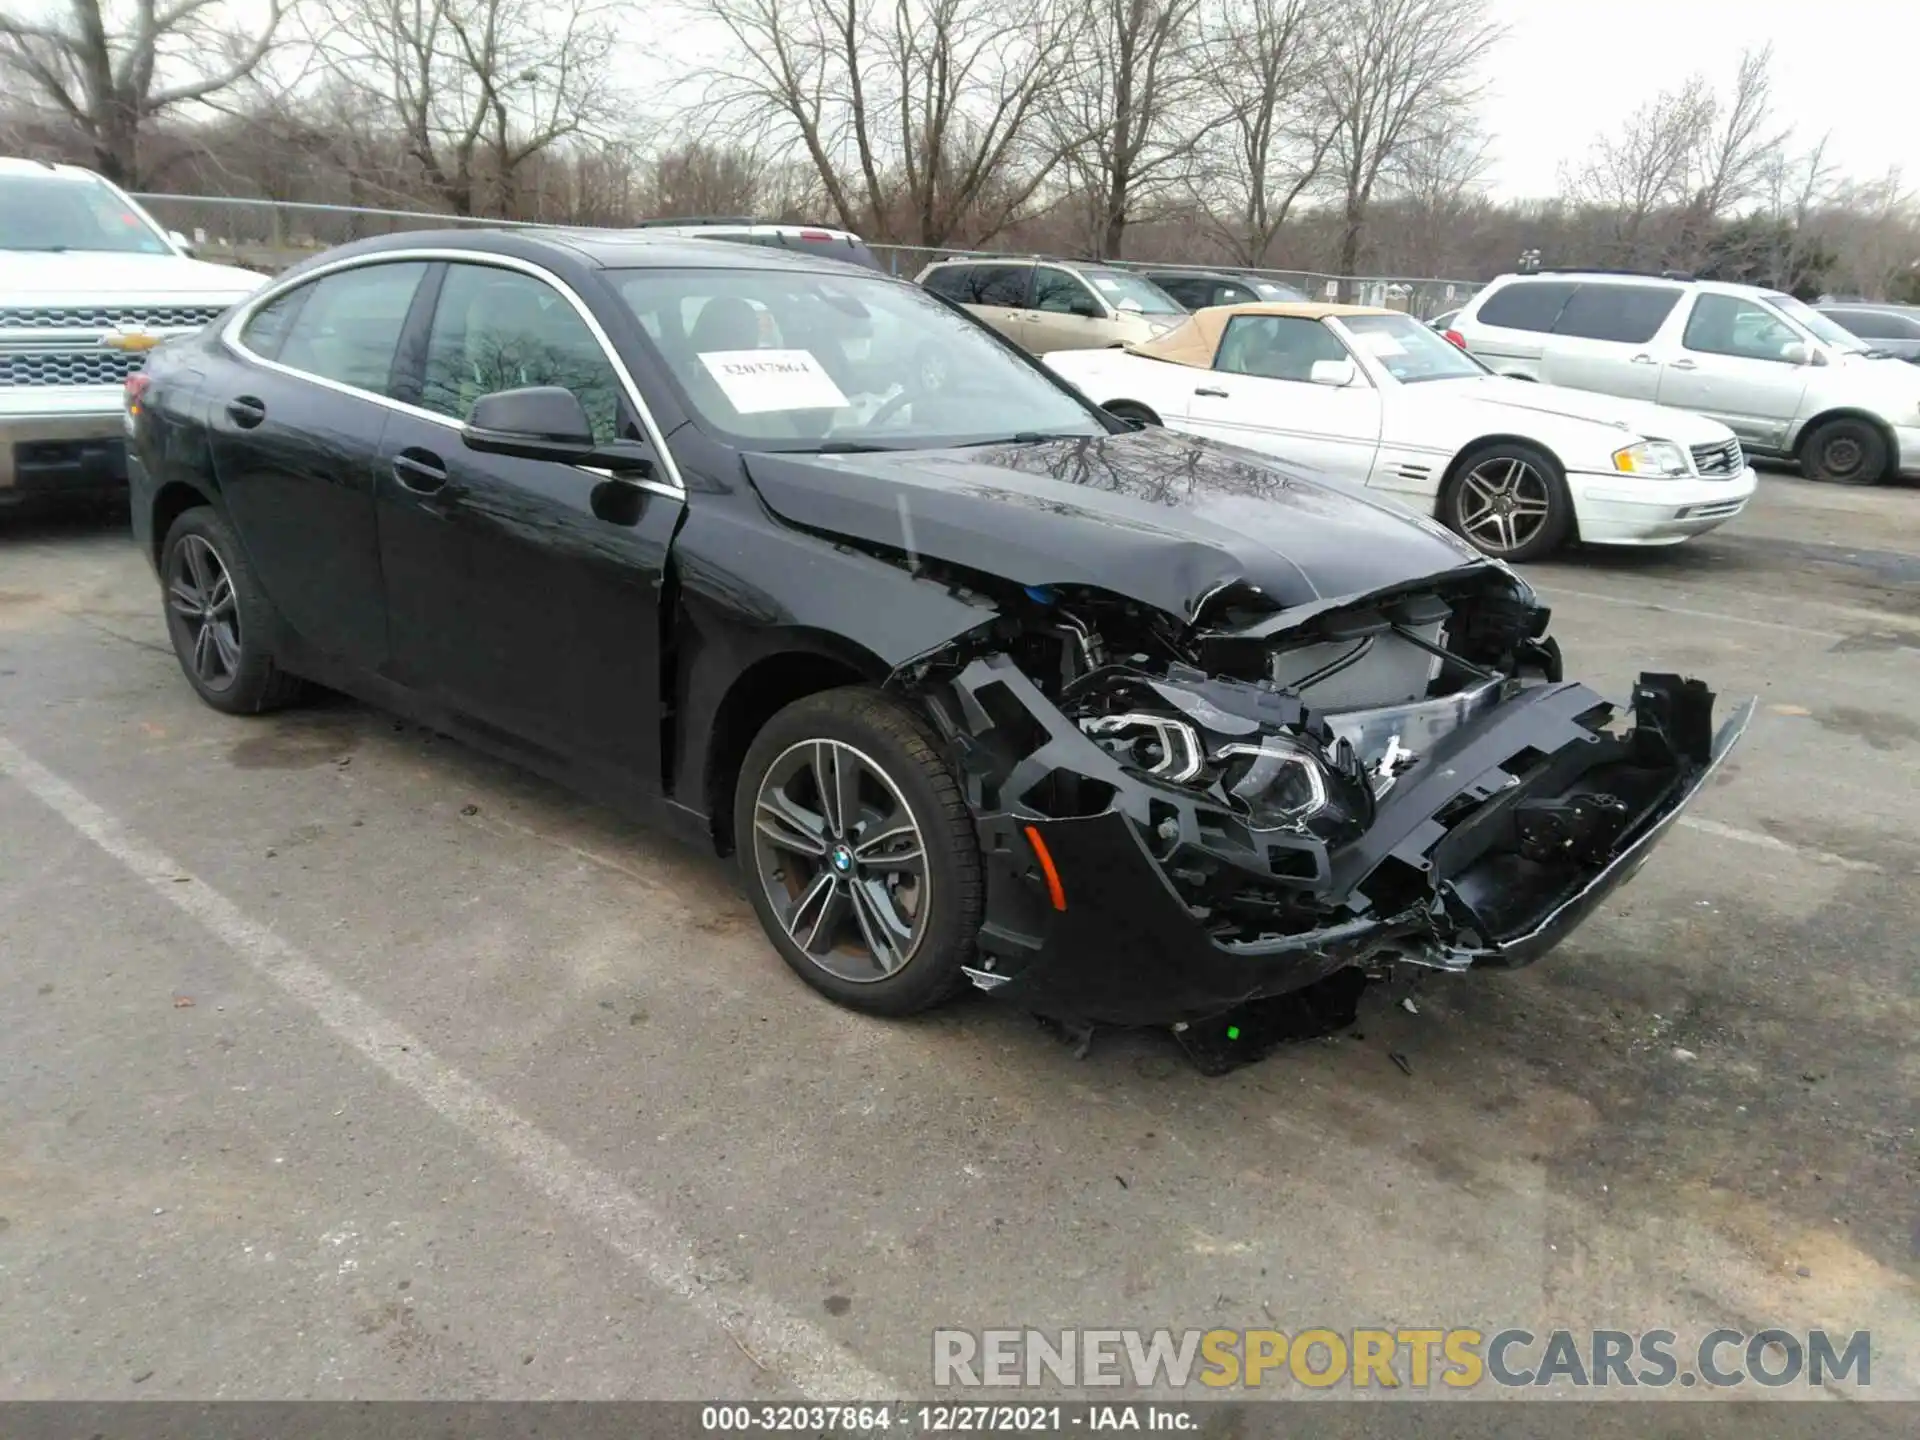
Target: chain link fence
(271, 235)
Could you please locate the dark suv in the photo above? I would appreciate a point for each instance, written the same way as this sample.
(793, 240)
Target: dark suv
(1198, 289)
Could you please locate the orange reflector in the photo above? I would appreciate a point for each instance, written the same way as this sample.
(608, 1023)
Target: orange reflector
(1054, 888)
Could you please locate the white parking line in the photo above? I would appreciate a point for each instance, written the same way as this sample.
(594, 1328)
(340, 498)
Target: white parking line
(813, 1361)
(1552, 590)
(1773, 842)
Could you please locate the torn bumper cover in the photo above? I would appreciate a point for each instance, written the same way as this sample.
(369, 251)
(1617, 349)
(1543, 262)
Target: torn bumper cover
(1125, 897)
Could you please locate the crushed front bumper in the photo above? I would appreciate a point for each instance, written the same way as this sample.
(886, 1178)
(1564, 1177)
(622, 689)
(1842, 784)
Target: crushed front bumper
(1486, 853)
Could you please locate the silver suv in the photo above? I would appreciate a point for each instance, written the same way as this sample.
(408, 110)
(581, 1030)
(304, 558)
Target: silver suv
(1786, 379)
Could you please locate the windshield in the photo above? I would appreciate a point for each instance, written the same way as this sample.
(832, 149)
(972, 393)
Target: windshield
(1132, 292)
(1408, 350)
(56, 212)
(1811, 320)
(779, 360)
(1275, 291)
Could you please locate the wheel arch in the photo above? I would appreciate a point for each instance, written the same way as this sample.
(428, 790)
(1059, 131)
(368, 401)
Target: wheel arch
(170, 502)
(1849, 412)
(1457, 466)
(1125, 403)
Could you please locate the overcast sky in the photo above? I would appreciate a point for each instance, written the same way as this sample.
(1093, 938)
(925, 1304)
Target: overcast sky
(1569, 68)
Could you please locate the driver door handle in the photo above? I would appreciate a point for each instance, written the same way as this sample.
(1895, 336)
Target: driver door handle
(1644, 359)
(1686, 365)
(1211, 391)
(420, 471)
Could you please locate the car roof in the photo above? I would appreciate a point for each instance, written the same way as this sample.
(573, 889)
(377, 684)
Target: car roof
(602, 249)
(1300, 309)
(1623, 277)
(13, 165)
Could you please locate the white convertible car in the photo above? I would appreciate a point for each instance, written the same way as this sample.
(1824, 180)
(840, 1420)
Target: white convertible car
(1374, 396)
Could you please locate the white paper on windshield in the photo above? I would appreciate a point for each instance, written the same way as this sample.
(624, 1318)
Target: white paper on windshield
(1378, 342)
(755, 381)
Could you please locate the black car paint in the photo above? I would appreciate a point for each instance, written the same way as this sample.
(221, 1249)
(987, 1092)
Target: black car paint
(625, 640)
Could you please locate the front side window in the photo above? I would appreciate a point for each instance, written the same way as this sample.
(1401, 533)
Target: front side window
(496, 329)
(1059, 293)
(348, 327)
(1628, 314)
(1278, 347)
(1409, 351)
(1729, 325)
(54, 213)
(803, 360)
(1873, 324)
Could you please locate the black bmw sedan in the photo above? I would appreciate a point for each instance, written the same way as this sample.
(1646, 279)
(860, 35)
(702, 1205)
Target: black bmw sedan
(981, 685)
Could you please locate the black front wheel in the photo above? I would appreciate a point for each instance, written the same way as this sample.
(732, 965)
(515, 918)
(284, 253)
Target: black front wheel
(858, 851)
(1846, 452)
(217, 618)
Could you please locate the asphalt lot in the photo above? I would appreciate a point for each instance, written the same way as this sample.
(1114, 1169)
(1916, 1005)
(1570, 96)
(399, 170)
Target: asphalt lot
(337, 1060)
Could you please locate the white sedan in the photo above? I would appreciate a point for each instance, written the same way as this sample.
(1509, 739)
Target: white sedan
(1375, 397)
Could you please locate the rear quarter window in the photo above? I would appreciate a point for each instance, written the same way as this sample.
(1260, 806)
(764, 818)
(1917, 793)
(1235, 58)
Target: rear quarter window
(1629, 314)
(1527, 305)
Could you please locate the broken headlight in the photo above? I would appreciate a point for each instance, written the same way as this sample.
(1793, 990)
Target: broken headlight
(1157, 744)
(1278, 783)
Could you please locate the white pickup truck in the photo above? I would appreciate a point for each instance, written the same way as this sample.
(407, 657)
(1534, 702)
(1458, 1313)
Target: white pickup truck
(88, 284)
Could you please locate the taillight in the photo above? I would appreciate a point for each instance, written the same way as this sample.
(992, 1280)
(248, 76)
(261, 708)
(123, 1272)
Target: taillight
(136, 389)
(1453, 337)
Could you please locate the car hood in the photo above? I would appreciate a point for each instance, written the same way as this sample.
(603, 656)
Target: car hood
(1157, 517)
(1640, 417)
(92, 275)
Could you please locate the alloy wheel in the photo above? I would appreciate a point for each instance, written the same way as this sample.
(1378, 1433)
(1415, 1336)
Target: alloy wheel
(1504, 503)
(200, 595)
(841, 859)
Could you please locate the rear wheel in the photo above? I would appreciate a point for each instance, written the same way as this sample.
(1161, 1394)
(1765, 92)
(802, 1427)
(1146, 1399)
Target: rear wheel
(1131, 410)
(217, 618)
(859, 852)
(1510, 501)
(1845, 451)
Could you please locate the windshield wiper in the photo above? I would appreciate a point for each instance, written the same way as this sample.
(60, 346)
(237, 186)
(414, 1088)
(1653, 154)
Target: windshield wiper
(848, 447)
(1027, 437)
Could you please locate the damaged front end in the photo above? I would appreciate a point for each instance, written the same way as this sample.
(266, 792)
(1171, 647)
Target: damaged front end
(1183, 814)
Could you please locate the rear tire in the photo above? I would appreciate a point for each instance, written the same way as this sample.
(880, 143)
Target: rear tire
(858, 851)
(1845, 451)
(1510, 501)
(219, 619)
(1131, 410)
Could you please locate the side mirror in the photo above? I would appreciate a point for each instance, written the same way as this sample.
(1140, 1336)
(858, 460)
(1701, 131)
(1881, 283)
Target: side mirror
(1086, 310)
(545, 422)
(180, 242)
(1795, 353)
(1333, 372)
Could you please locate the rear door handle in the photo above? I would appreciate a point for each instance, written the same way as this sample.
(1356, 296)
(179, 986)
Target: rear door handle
(1210, 391)
(246, 412)
(420, 471)
(1686, 365)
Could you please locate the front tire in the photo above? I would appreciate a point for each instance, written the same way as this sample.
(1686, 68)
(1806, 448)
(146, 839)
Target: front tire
(1510, 501)
(1845, 451)
(858, 851)
(218, 618)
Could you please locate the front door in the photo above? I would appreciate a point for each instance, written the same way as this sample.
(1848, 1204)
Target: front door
(1731, 364)
(1261, 394)
(524, 594)
(294, 431)
(1065, 315)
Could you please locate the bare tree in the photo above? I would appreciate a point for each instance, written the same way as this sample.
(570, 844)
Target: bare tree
(1258, 58)
(476, 88)
(1396, 72)
(111, 68)
(1132, 114)
(697, 178)
(1645, 168)
(1433, 186)
(919, 116)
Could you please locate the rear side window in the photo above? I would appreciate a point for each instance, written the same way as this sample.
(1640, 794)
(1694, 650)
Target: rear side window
(349, 326)
(1630, 314)
(982, 284)
(1531, 305)
(268, 326)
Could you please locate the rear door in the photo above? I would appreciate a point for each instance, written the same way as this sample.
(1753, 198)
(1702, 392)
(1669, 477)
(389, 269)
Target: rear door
(1730, 363)
(1260, 394)
(1603, 338)
(525, 593)
(295, 421)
